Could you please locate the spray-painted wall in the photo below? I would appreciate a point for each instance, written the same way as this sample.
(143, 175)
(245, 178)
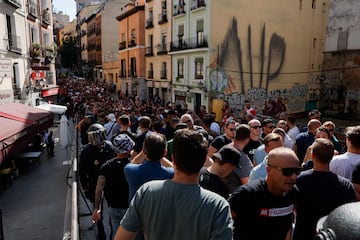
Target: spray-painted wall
(266, 51)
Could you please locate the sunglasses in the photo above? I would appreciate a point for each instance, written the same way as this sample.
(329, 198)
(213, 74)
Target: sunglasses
(232, 129)
(256, 127)
(287, 172)
(188, 121)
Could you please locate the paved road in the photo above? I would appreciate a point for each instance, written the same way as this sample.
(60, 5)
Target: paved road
(34, 207)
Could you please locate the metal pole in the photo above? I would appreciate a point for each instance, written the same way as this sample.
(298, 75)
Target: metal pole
(1, 226)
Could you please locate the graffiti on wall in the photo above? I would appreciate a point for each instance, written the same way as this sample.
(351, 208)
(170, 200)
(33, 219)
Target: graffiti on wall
(269, 102)
(269, 66)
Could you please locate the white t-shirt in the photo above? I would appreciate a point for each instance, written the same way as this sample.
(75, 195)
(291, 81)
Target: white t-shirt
(344, 164)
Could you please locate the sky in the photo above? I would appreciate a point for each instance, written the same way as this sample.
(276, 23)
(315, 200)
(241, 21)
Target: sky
(66, 6)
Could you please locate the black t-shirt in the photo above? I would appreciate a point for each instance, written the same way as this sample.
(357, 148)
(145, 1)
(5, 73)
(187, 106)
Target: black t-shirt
(220, 141)
(213, 183)
(250, 148)
(91, 159)
(139, 141)
(257, 208)
(116, 189)
(319, 194)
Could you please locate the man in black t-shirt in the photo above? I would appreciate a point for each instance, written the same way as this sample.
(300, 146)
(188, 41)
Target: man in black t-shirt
(267, 204)
(112, 182)
(225, 160)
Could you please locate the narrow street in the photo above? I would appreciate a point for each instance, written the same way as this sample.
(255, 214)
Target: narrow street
(34, 207)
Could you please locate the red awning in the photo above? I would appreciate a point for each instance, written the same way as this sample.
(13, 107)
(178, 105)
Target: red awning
(19, 125)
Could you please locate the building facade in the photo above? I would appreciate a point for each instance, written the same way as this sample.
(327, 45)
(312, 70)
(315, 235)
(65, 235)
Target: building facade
(28, 52)
(157, 57)
(110, 40)
(338, 87)
(132, 50)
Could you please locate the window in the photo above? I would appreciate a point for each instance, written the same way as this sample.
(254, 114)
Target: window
(123, 37)
(163, 70)
(46, 41)
(199, 64)
(34, 37)
(180, 68)
(180, 34)
(200, 32)
(133, 67)
(123, 68)
(313, 5)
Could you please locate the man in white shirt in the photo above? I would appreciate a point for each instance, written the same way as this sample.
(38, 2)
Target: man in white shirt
(344, 164)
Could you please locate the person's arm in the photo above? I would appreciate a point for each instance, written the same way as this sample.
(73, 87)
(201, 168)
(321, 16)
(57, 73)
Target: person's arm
(166, 162)
(211, 151)
(123, 234)
(138, 158)
(98, 196)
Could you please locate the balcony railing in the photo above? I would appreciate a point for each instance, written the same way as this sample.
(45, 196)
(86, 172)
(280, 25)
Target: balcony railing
(149, 23)
(198, 4)
(190, 43)
(162, 18)
(151, 74)
(122, 45)
(163, 74)
(162, 49)
(149, 51)
(14, 43)
(179, 9)
(15, 3)
(46, 17)
(132, 43)
(33, 9)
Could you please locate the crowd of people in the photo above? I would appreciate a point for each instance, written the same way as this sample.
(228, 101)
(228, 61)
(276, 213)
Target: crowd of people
(169, 173)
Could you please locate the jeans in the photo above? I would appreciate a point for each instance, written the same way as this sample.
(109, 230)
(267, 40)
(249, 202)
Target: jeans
(116, 214)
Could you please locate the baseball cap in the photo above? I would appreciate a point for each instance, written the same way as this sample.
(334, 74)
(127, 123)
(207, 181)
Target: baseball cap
(123, 143)
(111, 117)
(228, 154)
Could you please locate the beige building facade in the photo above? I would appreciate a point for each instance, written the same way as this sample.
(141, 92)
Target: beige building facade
(158, 39)
(266, 52)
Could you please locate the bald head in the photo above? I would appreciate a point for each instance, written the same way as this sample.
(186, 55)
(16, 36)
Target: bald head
(313, 124)
(283, 157)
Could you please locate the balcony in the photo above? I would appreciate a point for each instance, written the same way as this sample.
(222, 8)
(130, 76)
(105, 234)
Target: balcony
(15, 3)
(33, 12)
(190, 43)
(45, 17)
(150, 74)
(122, 74)
(132, 43)
(162, 49)
(163, 74)
(122, 45)
(179, 9)
(14, 43)
(198, 4)
(149, 23)
(149, 51)
(162, 17)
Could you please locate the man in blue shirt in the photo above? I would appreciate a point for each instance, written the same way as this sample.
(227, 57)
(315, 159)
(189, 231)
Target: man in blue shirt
(151, 169)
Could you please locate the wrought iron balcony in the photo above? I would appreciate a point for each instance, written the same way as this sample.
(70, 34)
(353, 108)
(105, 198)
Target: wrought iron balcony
(33, 9)
(149, 23)
(179, 9)
(15, 3)
(162, 49)
(14, 43)
(163, 74)
(149, 51)
(190, 43)
(198, 4)
(46, 17)
(122, 45)
(132, 43)
(162, 18)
